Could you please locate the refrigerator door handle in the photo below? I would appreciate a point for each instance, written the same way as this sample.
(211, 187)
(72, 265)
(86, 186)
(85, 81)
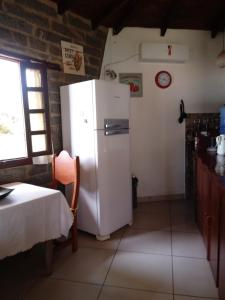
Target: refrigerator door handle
(112, 126)
(116, 124)
(118, 131)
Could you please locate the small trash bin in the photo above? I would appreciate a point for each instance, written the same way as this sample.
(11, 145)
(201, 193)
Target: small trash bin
(134, 191)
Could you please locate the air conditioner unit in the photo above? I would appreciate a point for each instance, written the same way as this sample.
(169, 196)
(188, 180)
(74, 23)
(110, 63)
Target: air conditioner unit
(151, 52)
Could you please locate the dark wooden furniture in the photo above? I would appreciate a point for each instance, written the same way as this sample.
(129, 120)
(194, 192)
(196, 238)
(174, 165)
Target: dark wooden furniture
(66, 170)
(221, 263)
(210, 207)
(215, 197)
(203, 202)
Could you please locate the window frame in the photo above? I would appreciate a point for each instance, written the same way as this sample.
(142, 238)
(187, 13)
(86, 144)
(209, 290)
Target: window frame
(42, 67)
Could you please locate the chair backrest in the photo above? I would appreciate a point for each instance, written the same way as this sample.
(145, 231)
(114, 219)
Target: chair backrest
(66, 170)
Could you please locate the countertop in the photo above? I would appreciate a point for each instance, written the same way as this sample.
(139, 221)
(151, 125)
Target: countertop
(213, 161)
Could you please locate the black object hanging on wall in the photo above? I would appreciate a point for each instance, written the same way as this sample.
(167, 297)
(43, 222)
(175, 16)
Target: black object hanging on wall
(183, 114)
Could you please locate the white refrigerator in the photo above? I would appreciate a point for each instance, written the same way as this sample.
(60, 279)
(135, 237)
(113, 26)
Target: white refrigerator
(95, 124)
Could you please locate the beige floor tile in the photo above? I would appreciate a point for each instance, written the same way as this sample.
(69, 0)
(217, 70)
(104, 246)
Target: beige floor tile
(183, 212)
(176, 297)
(86, 265)
(89, 240)
(62, 290)
(184, 222)
(155, 242)
(154, 207)
(141, 271)
(185, 227)
(193, 277)
(188, 244)
(151, 221)
(179, 205)
(182, 208)
(112, 293)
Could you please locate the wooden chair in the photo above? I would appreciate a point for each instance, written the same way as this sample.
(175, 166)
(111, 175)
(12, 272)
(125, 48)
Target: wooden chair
(66, 170)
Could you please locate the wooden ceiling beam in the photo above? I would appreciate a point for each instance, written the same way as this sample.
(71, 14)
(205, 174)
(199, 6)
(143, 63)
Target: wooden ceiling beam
(117, 29)
(219, 26)
(128, 10)
(219, 21)
(63, 6)
(168, 16)
(163, 30)
(110, 10)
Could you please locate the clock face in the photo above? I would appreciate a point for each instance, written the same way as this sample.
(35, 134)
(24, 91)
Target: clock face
(163, 79)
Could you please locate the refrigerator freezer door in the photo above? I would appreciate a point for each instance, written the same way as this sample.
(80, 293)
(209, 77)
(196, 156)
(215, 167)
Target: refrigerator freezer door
(87, 203)
(77, 113)
(113, 181)
(111, 101)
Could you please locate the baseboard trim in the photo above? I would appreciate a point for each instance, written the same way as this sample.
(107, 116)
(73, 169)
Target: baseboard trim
(162, 198)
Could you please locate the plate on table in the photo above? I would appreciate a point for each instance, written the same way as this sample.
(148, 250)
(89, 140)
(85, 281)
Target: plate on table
(4, 192)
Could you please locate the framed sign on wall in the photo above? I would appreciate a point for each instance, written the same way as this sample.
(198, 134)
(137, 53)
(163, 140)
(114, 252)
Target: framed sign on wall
(73, 58)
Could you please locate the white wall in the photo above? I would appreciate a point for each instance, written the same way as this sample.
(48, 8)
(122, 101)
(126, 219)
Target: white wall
(158, 145)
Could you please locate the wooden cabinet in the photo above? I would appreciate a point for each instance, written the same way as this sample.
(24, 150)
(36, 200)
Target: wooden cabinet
(199, 210)
(211, 215)
(215, 201)
(222, 251)
(203, 202)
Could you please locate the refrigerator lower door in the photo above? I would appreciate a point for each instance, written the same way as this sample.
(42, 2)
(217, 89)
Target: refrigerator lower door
(84, 146)
(116, 131)
(113, 181)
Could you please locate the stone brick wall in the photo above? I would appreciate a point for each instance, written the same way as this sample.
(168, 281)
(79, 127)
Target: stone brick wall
(33, 28)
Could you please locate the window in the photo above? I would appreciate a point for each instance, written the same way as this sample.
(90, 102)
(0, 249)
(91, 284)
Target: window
(24, 112)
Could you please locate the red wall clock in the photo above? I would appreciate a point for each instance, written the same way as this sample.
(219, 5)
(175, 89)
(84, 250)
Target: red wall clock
(163, 79)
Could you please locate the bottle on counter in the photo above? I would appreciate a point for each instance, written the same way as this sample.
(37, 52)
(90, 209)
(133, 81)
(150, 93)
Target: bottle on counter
(197, 125)
(206, 126)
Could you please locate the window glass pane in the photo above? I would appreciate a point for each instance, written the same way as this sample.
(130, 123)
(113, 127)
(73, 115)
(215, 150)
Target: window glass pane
(12, 123)
(33, 78)
(35, 100)
(37, 122)
(39, 142)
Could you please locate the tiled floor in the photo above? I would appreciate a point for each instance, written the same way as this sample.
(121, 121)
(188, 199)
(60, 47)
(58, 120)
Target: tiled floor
(160, 257)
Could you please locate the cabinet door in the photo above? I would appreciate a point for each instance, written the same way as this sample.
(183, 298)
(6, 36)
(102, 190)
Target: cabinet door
(222, 251)
(203, 202)
(214, 233)
(199, 194)
(206, 186)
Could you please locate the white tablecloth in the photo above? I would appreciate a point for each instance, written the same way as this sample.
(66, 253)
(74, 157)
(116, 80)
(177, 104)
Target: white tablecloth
(31, 214)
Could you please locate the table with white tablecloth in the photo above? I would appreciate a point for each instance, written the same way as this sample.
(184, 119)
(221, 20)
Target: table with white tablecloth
(31, 214)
